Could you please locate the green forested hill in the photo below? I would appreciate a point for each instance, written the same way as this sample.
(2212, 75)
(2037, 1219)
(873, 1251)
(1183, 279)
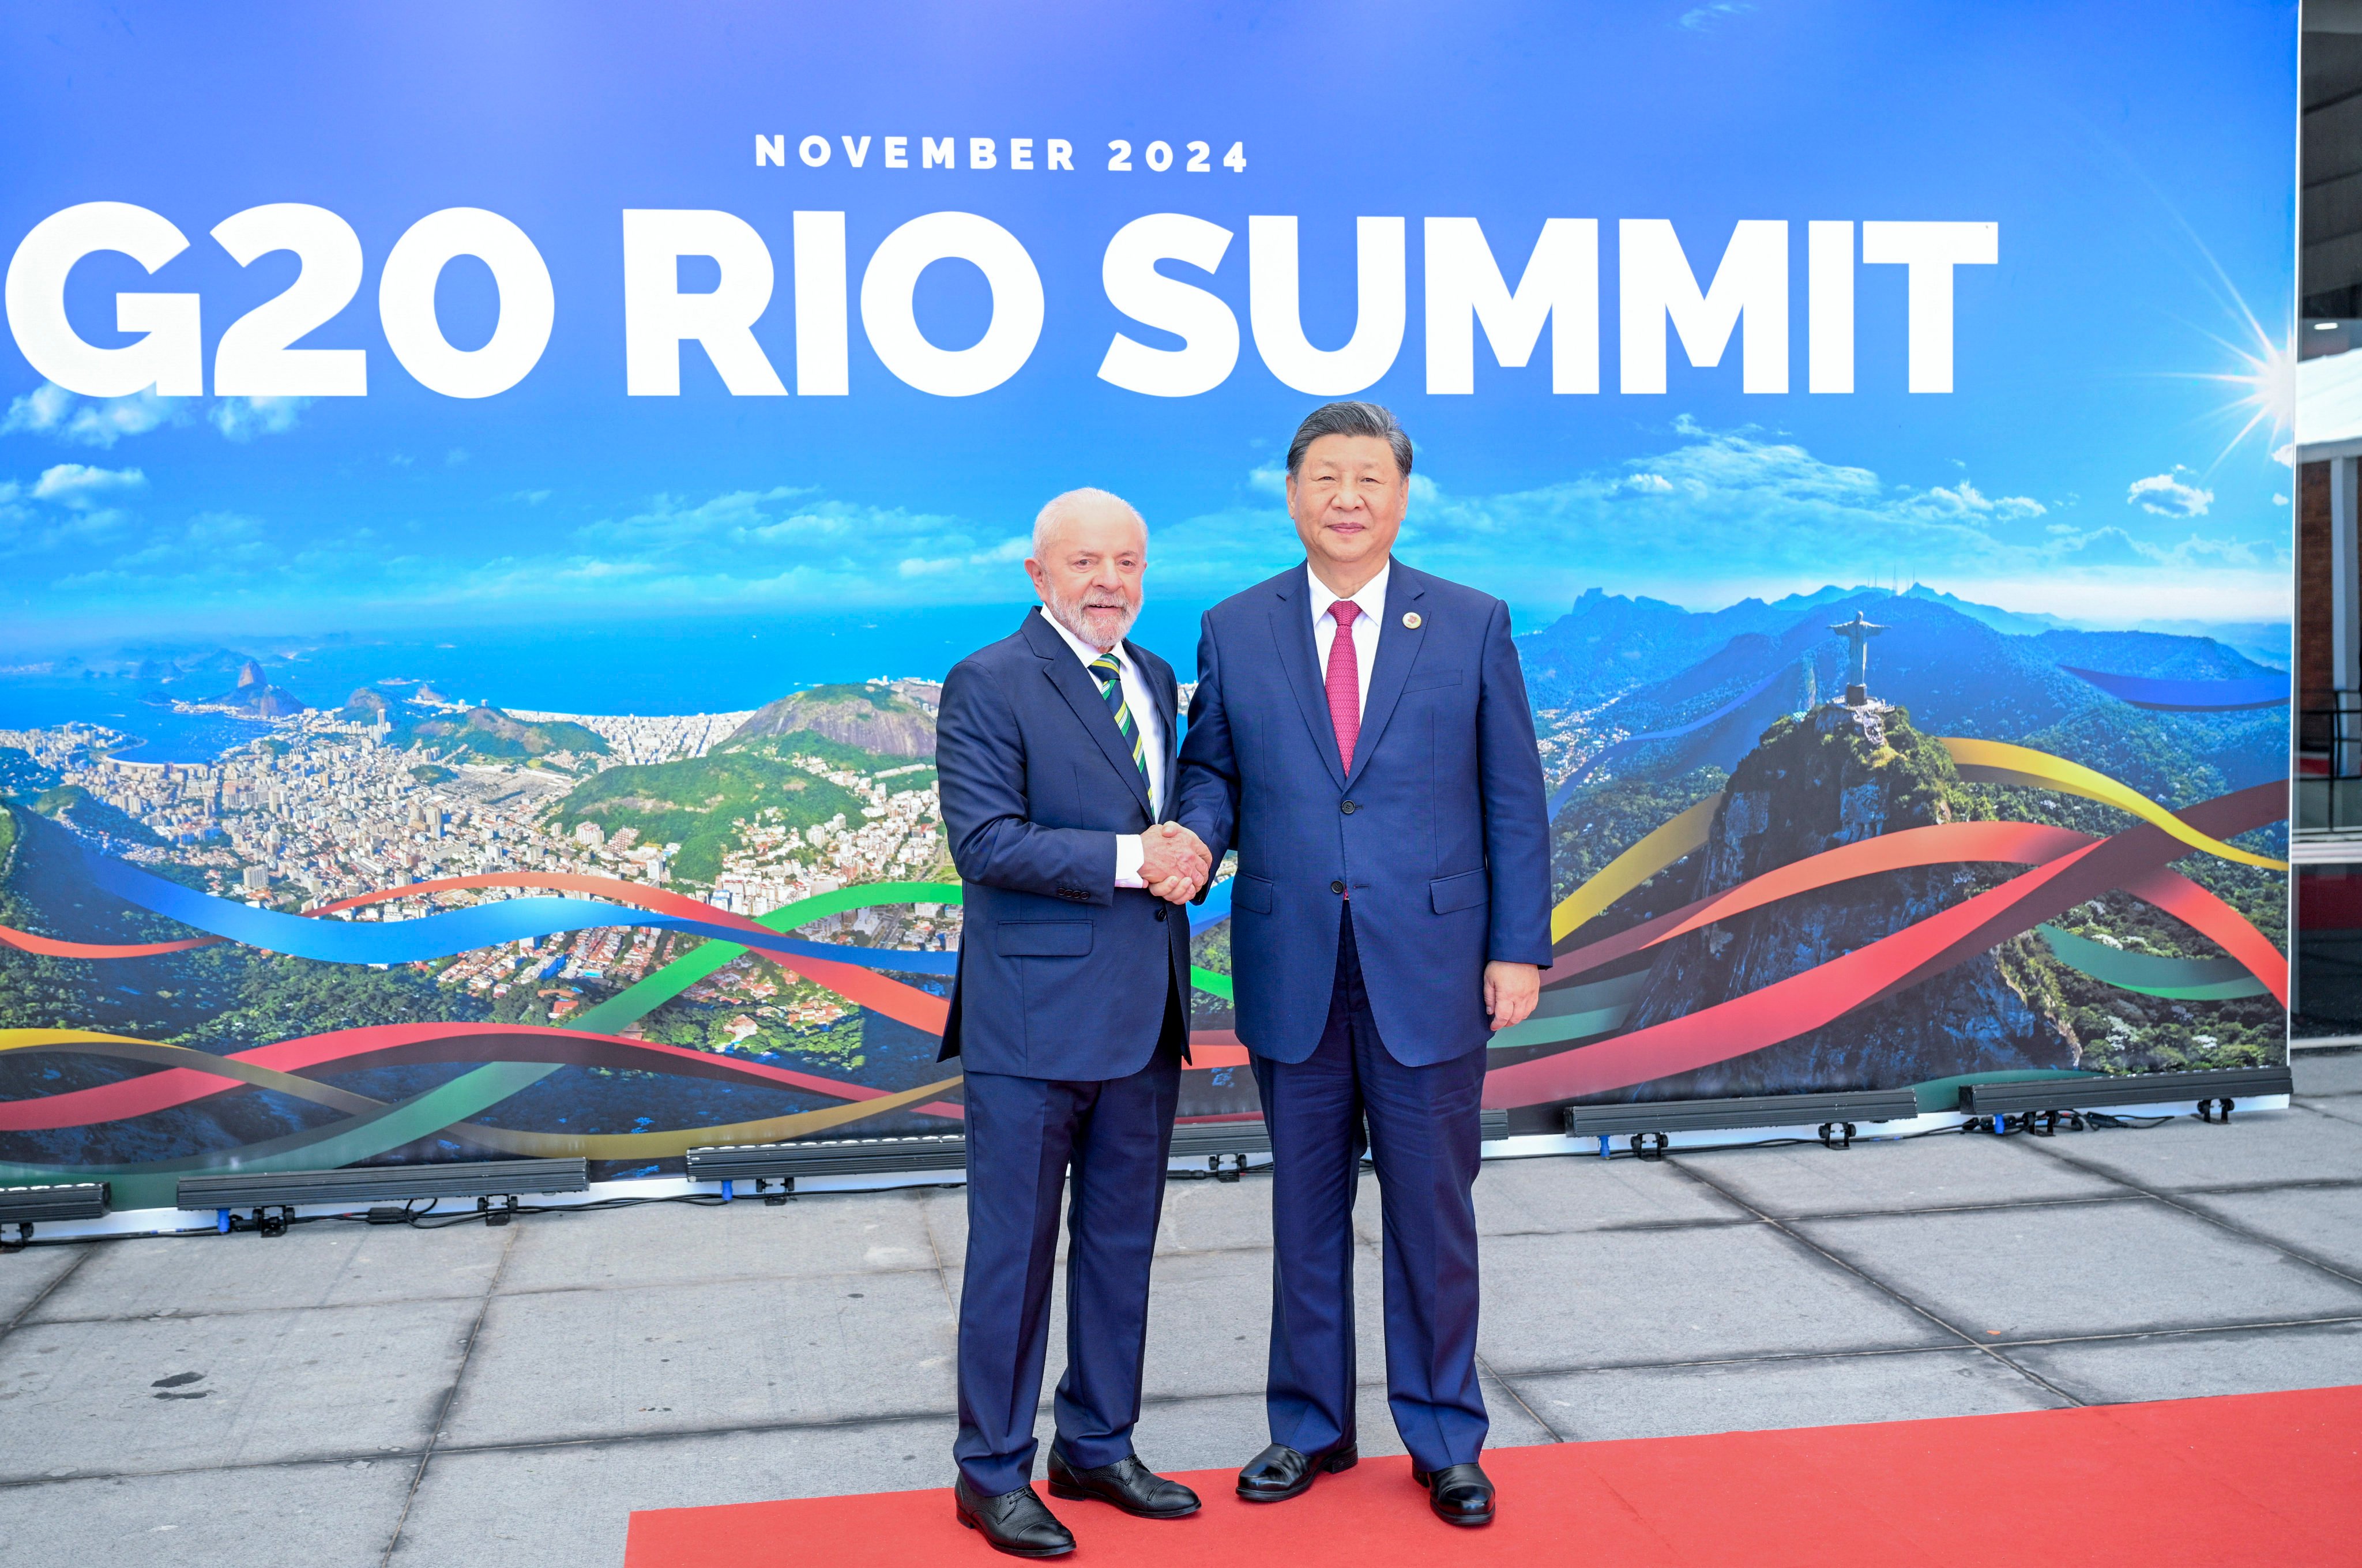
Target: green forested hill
(693, 802)
(488, 732)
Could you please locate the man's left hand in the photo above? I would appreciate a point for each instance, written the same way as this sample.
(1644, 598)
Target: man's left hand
(1510, 993)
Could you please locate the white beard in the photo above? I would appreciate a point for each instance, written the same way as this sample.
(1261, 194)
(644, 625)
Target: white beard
(1068, 613)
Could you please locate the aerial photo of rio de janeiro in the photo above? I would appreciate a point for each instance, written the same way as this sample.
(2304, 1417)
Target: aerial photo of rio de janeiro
(1899, 752)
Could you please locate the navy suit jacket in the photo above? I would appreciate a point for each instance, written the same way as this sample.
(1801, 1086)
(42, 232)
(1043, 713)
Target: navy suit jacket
(1061, 974)
(1441, 829)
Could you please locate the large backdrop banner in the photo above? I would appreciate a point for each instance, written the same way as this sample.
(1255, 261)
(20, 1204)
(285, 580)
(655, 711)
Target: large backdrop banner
(488, 496)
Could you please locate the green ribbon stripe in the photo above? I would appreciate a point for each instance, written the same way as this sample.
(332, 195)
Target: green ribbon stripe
(152, 1184)
(1575, 1012)
(2179, 979)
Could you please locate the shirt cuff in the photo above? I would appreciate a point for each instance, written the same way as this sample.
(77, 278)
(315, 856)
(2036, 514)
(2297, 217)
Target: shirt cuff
(1128, 856)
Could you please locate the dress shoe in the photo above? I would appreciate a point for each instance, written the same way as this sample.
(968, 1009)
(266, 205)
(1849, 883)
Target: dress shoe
(1279, 1472)
(1016, 1522)
(1128, 1484)
(1459, 1493)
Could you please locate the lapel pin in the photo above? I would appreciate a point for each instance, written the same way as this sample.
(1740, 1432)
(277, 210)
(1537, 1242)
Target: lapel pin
(1410, 620)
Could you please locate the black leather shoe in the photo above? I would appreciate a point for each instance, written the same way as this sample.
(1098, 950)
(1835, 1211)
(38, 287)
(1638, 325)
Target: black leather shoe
(1016, 1522)
(1128, 1484)
(1459, 1493)
(1279, 1472)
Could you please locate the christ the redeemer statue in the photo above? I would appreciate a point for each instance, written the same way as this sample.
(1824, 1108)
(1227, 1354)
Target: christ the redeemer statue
(1858, 633)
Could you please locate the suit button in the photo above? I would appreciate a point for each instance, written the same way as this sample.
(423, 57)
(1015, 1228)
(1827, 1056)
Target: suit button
(1160, 911)
(1349, 808)
(1336, 887)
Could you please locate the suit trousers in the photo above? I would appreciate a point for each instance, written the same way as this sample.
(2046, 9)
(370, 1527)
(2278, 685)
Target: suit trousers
(1423, 1135)
(1027, 1140)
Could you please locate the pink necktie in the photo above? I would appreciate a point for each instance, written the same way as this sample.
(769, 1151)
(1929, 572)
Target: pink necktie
(1345, 681)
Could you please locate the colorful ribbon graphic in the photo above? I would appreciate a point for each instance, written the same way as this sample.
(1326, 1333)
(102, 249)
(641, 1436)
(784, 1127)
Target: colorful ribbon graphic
(2065, 868)
(1978, 761)
(2024, 844)
(2190, 696)
(2153, 975)
(190, 1075)
(1995, 762)
(1822, 994)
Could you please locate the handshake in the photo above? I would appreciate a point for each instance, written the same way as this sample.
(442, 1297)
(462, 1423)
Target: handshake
(1174, 862)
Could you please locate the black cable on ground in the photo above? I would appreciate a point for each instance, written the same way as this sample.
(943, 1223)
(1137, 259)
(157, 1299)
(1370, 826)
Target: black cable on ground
(408, 1214)
(424, 1219)
(2012, 1126)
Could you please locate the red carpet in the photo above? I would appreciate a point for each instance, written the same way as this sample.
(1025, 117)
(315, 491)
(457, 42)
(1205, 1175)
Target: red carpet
(2258, 1478)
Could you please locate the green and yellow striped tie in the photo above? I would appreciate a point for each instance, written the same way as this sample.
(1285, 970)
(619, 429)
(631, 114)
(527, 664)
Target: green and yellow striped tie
(1110, 679)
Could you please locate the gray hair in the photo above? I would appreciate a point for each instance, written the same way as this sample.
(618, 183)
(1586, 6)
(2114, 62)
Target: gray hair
(1350, 419)
(1061, 507)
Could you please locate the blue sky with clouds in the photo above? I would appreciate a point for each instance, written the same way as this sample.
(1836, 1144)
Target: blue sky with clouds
(2090, 462)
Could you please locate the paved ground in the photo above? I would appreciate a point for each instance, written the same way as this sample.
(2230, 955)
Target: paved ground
(354, 1396)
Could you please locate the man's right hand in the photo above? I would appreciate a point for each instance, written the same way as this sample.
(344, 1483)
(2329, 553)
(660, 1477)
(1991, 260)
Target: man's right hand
(1174, 862)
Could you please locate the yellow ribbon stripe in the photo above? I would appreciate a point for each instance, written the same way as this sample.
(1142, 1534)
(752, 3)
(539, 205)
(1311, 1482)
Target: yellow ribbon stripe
(1996, 761)
(23, 1039)
(669, 1144)
(1980, 762)
(1634, 866)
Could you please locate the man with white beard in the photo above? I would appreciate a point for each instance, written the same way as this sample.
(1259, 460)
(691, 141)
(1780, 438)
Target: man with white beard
(1054, 751)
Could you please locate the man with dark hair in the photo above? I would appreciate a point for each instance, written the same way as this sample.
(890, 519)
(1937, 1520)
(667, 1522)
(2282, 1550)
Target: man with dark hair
(1069, 1014)
(1360, 735)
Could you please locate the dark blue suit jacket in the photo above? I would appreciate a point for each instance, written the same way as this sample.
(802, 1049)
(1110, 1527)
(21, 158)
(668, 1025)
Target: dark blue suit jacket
(1061, 974)
(1441, 829)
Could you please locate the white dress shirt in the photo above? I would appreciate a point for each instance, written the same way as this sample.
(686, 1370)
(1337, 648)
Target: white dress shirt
(1366, 625)
(1142, 706)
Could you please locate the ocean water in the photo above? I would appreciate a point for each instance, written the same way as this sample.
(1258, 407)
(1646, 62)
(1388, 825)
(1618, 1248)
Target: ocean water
(36, 703)
(650, 666)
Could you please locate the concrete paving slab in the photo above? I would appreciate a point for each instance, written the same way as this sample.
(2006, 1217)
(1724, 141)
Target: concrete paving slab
(2182, 1366)
(242, 1389)
(1216, 1215)
(302, 1516)
(1583, 1192)
(946, 1213)
(603, 1363)
(1560, 1303)
(327, 1265)
(1199, 1215)
(943, 1210)
(1209, 1323)
(2297, 1145)
(676, 1244)
(2326, 1072)
(569, 1506)
(2010, 1274)
(1921, 1173)
(2324, 1221)
(1516, 1424)
(27, 1277)
(1556, 1194)
(1752, 1396)
(2343, 1107)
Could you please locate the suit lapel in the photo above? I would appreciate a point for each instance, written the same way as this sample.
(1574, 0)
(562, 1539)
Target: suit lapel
(1081, 691)
(1398, 647)
(1291, 630)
